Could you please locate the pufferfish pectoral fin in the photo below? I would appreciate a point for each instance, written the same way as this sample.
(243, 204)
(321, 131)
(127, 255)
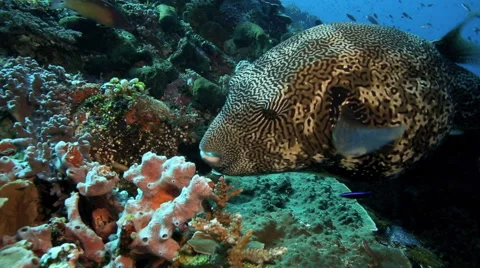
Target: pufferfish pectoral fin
(352, 138)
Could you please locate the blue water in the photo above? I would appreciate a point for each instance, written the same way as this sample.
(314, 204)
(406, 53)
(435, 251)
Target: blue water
(442, 15)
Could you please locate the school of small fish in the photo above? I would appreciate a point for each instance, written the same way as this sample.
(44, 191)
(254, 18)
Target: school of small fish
(373, 18)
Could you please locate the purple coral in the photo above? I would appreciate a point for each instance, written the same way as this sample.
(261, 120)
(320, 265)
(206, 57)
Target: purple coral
(30, 91)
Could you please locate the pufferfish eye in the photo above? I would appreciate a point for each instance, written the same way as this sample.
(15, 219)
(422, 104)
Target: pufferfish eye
(269, 114)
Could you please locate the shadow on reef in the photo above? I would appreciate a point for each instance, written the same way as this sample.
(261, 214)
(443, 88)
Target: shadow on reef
(436, 201)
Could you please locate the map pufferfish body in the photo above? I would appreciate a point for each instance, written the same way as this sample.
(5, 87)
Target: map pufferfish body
(354, 100)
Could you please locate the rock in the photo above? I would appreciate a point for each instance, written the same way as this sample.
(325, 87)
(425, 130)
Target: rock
(21, 207)
(167, 17)
(207, 95)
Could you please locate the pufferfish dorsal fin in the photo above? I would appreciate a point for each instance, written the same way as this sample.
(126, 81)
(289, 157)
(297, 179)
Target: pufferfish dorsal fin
(453, 46)
(352, 138)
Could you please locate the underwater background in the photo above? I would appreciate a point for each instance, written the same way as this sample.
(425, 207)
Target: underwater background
(102, 108)
(427, 19)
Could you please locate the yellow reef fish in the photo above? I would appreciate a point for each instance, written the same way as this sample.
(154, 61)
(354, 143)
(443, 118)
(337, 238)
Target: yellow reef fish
(98, 10)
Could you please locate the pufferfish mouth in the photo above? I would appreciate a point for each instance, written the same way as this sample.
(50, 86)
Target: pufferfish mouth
(211, 158)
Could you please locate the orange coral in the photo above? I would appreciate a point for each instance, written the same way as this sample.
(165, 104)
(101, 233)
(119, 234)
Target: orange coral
(165, 194)
(84, 92)
(7, 147)
(226, 229)
(73, 156)
(223, 193)
(127, 234)
(103, 222)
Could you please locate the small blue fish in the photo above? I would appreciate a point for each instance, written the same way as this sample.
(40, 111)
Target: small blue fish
(355, 195)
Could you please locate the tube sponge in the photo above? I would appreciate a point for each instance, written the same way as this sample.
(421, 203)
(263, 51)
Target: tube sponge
(155, 219)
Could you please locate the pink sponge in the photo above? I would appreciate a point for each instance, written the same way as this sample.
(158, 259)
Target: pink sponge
(155, 218)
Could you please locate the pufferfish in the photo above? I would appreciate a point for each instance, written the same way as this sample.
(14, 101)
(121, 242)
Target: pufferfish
(349, 99)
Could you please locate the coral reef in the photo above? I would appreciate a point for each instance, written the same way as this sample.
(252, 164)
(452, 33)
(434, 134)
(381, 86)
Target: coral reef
(167, 17)
(19, 206)
(157, 76)
(267, 14)
(61, 124)
(305, 213)
(301, 20)
(51, 36)
(127, 123)
(50, 105)
(170, 194)
(18, 255)
(249, 42)
(224, 230)
(29, 30)
(89, 172)
(207, 95)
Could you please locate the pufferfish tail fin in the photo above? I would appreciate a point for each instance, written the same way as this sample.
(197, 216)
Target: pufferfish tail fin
(465, 95)
(455, 47)
(465, 90)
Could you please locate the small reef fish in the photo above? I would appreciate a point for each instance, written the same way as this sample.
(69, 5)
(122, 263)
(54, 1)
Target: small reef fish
(351, 17)
(426, 26)
(466, 7)
(356, 195)
(405, 14)
(357, 101)
(423, 5)
(371, 19)
(97, 10)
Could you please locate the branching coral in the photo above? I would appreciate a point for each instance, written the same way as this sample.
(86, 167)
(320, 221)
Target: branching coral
(226, 230)
(28, 90)
(31, 30)
(8, 169)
